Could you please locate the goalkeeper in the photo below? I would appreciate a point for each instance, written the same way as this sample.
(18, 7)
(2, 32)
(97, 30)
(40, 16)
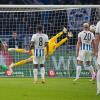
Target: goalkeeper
(53, 45)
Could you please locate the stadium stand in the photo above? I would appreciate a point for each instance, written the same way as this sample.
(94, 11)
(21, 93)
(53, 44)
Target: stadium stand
(40, 2)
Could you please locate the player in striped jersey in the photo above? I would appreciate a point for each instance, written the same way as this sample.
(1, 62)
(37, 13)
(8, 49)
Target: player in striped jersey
(38, 42)
(84, 49)
(97, 53)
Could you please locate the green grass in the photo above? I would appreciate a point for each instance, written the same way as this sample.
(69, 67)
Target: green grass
(54, 89)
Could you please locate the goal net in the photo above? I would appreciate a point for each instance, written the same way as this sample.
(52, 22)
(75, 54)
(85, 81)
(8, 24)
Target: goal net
(23, 20)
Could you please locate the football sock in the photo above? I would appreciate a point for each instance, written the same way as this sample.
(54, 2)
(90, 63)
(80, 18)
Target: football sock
(42, 72)
(35, 71)
(98, 81)
(78, 71)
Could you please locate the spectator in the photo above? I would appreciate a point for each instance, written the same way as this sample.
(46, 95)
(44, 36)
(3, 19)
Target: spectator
(14, 42)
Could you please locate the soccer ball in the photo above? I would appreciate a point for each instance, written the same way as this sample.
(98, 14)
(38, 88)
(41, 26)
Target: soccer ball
(92, 28)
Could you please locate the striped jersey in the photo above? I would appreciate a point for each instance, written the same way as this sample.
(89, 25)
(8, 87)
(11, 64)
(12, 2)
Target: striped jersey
(39, 43)
(86, 40)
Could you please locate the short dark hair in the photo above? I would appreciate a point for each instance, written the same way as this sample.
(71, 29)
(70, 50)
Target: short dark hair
(39, 28)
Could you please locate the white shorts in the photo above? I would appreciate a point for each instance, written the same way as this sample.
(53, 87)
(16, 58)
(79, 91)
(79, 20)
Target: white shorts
(98, 59)
(39, 60)
(84, 55)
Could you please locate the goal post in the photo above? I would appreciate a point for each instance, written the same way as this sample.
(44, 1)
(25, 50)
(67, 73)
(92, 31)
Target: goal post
(23, 20)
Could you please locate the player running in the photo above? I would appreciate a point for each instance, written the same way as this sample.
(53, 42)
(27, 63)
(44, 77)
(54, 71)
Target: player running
(84, 49)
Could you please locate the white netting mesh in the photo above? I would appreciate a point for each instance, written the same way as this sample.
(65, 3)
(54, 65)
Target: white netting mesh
(24, 20)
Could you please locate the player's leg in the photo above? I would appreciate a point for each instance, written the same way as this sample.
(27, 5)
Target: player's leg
(42, 71)
(22, 62)
(98, 74)
(80, 60)
(91, 70)
(42, 68)
(98, 81)
(78, 69)
(93, 74)
(88, 59)
(19, 50)
(35, 70)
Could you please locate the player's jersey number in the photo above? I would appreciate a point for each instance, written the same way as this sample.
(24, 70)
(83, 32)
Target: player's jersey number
(87, 36)
(40, 41)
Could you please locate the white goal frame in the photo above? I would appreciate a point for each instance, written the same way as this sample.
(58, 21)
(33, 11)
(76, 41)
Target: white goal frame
(40, 8)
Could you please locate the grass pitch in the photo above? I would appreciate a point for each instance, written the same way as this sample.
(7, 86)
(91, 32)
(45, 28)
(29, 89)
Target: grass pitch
(53, 89)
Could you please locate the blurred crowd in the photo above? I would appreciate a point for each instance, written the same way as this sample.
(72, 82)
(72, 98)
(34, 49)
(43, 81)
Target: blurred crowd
(24, 23)
(45, 2)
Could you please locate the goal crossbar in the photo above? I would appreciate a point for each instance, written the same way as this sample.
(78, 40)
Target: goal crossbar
(49, 6)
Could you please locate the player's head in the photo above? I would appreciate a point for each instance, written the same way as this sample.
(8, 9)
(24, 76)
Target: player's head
(85, 26)
(92, 28)
(14, 34)
(39, 28)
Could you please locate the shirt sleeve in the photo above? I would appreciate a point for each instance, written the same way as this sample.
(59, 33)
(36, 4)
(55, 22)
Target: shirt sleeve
(98, 28)
(79, 35)
(33, 38)
(93, 37)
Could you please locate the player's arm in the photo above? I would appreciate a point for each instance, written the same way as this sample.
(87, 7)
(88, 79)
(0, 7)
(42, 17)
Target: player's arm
(93, 46)
(46, 45)
(32, 42)
(32, 45)
(97, 38)
(78, 46)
